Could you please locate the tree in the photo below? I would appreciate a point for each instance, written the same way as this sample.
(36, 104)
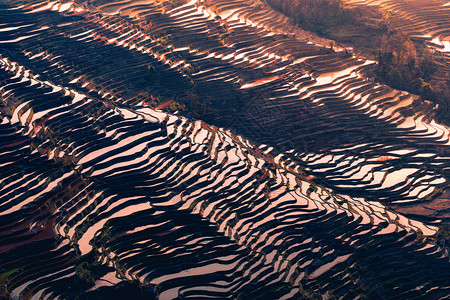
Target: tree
(417, 86)
(428, 93)
(395, 78)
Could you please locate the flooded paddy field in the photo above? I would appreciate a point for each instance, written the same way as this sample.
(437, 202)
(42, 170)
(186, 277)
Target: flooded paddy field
(419, 20)
(193, 149)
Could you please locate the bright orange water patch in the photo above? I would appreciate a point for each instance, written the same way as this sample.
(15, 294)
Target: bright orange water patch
(310, 177)
(260, 82)
(164, 105)
(384, 158)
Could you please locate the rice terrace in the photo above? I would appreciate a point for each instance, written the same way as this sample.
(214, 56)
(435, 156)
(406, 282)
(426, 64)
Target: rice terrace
(225, 149)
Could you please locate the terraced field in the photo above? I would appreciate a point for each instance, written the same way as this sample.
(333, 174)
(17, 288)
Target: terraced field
(422, 20)
(282, 178)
